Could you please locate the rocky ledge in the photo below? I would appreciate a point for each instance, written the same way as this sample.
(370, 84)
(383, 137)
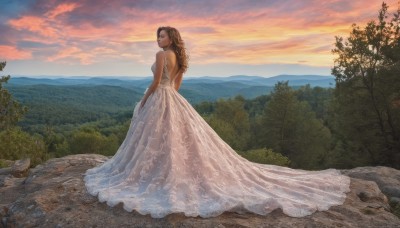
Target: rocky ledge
(53, 195)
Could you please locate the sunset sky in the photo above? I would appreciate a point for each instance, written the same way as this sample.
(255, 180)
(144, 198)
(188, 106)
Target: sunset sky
(223, 38)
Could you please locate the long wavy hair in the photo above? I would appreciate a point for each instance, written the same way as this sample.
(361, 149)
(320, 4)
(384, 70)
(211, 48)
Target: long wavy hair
(177, 45)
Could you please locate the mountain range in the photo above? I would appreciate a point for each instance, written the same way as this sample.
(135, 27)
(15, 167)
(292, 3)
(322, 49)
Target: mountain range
(195, 89)
(143, 82)
(75, 100)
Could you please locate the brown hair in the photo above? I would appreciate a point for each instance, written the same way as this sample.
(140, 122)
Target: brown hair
(177, 45)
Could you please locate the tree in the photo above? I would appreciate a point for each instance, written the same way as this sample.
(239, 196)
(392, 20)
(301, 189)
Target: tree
(89, 140)
(17, 144)
(10, 110)
(231, 121)
(279, 117)
(205, 107)
(317, 97)
(367, 72)
(290, 127)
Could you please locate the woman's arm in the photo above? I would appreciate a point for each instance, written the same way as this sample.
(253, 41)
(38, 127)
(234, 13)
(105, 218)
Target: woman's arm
(157, 76)
(178, 80)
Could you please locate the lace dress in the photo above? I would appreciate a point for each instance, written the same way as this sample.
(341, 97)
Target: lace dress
(172, 161)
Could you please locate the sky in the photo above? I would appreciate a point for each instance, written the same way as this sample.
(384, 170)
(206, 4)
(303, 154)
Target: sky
(222, 37)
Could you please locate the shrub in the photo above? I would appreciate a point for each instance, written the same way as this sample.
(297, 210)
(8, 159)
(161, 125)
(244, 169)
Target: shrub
(265, 156)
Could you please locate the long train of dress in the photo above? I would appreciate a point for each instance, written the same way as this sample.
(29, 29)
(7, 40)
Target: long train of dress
(172, 161)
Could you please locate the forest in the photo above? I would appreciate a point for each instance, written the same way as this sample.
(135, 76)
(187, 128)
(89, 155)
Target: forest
(356, 123)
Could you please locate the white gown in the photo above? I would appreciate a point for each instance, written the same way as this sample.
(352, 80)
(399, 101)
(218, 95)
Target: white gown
(172, 161)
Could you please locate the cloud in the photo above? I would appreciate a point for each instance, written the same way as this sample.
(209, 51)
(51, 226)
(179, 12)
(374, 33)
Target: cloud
(12, 53)
(90, 32)
(61, 9)
(36, 25)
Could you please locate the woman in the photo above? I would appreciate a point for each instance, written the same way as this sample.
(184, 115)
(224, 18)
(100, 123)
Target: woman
(172, 161)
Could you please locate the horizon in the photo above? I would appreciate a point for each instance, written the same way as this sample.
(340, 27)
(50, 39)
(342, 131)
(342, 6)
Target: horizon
(224, 38)
(143, 77)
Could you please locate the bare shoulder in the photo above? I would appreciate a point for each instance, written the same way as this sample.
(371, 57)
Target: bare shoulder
(169, 54)
(159, 54)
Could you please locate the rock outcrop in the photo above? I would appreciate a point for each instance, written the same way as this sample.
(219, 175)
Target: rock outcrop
(53, 195)
(388, 179)
(19, 168)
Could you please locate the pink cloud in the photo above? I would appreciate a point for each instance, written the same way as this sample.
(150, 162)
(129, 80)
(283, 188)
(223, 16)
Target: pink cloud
(71, 53)
(34, 24)
(62, 8)
(12, 53)
(234, 31)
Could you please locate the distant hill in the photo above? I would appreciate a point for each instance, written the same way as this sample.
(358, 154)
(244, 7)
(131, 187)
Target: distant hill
(75, 100)
(294, 80)
(72, 104)
(143, 82)
(22, 81)
(195, 89)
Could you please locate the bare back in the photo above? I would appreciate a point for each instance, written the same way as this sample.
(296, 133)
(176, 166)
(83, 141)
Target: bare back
(172, 64)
